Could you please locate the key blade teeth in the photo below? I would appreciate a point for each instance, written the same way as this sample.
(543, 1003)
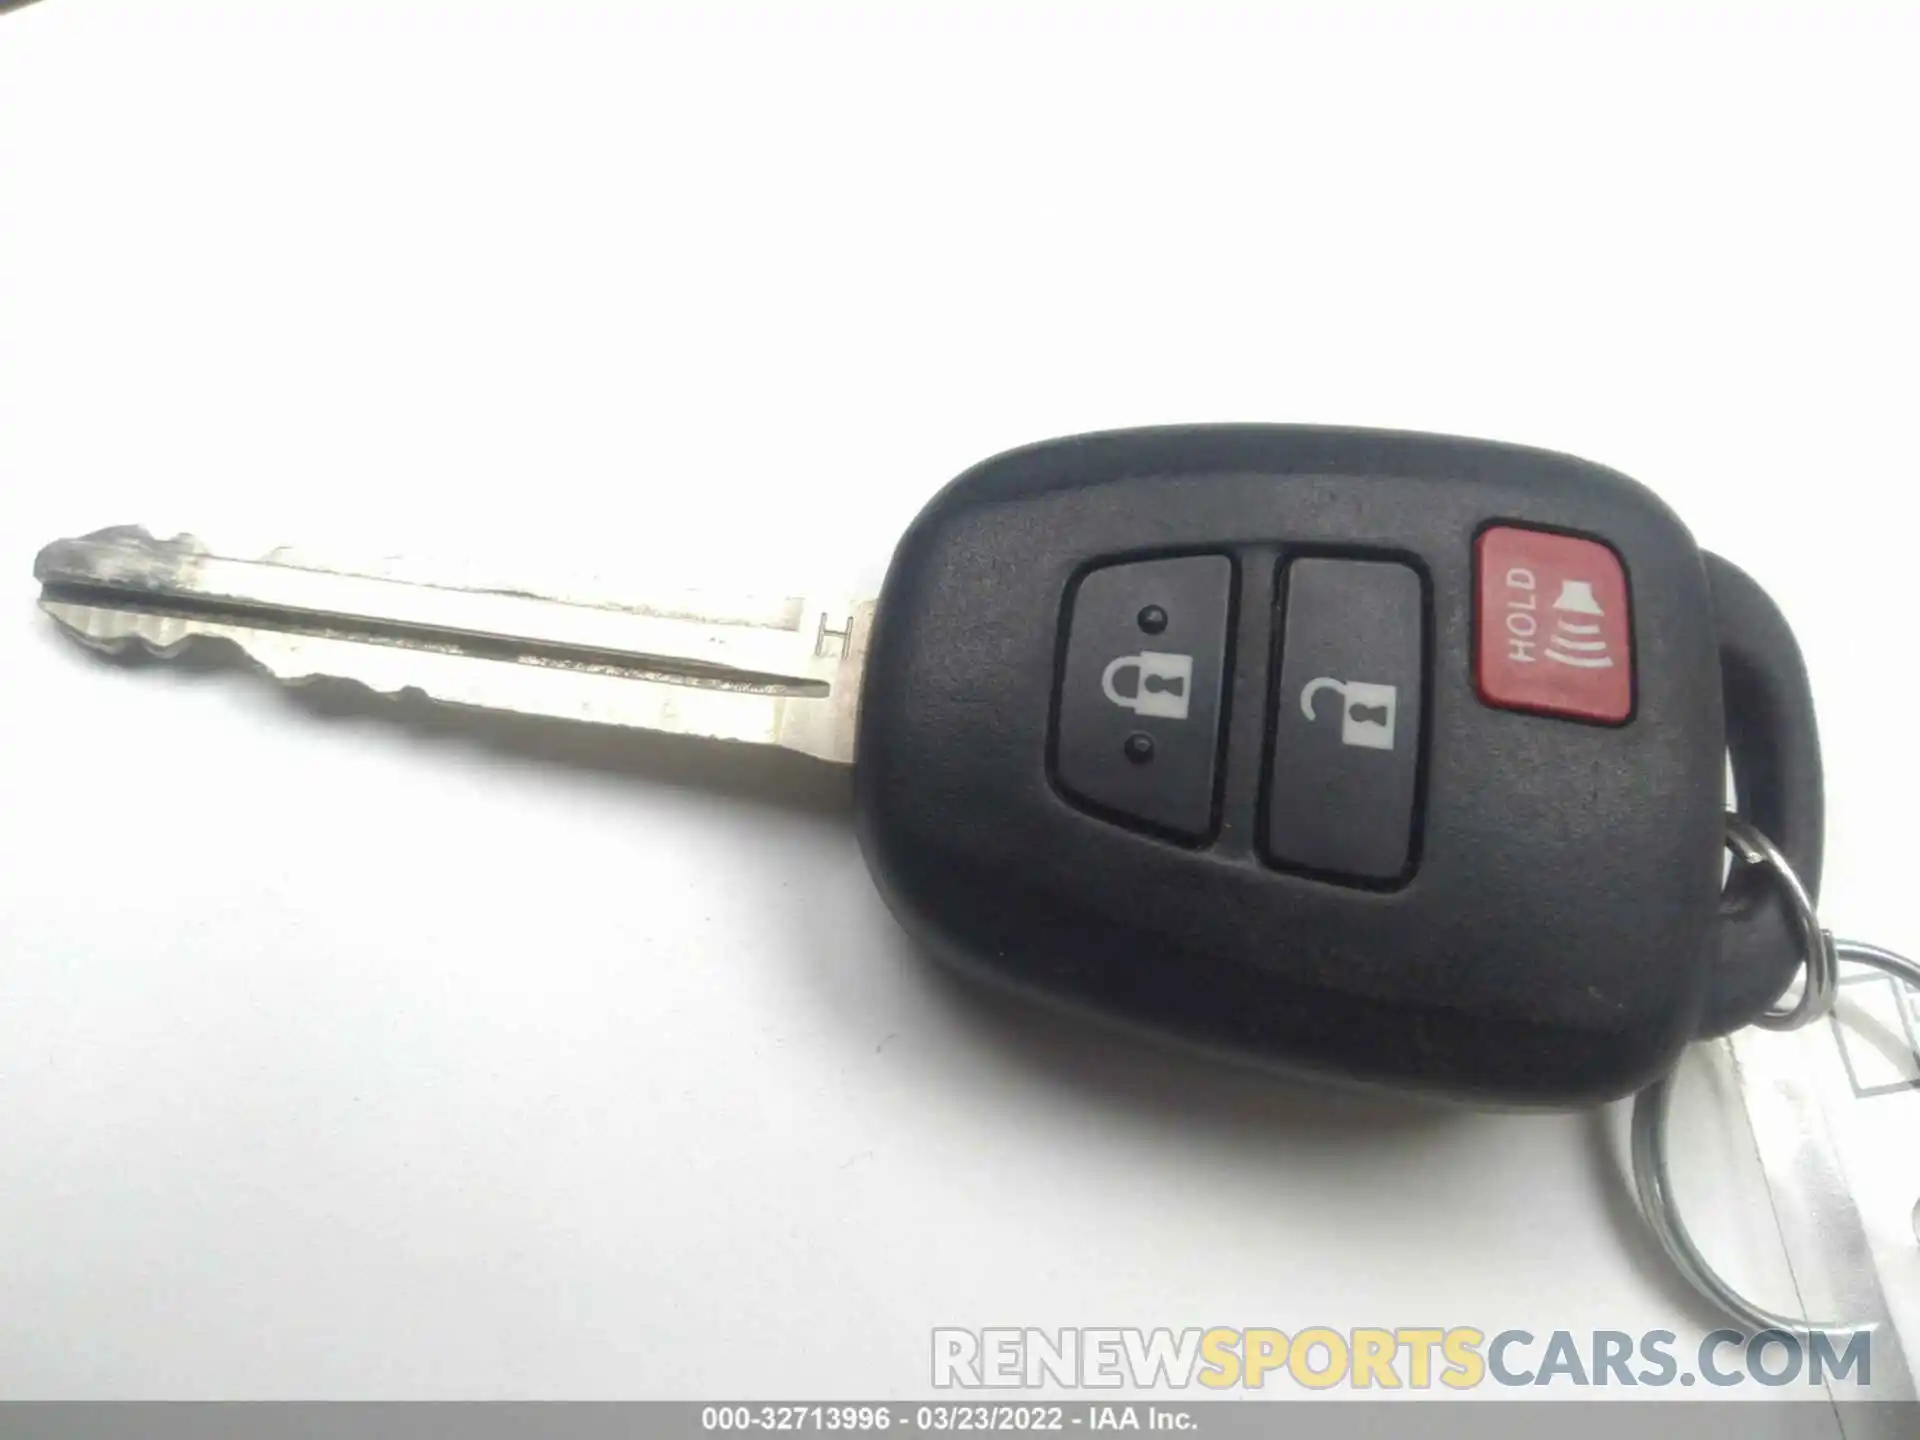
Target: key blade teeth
(816, 726)
(129, 634)
(120, 632)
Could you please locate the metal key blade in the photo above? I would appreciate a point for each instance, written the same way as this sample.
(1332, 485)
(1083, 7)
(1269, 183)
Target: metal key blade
(770, 672)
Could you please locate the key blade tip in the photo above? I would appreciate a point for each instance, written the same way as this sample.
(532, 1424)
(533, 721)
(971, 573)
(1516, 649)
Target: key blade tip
(55, 560)
(114, 555)
(79, 573)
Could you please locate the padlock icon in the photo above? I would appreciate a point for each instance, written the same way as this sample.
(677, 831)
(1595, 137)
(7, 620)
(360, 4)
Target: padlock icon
(1163, 687)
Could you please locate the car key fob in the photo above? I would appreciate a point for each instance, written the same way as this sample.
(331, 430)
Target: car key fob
(1387, 757)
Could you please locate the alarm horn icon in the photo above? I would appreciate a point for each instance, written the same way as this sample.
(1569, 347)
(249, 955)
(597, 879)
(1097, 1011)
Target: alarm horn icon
(1578, 639)
(1577, 596)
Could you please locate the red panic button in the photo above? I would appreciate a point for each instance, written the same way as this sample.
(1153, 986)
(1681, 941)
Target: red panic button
(1553, 631)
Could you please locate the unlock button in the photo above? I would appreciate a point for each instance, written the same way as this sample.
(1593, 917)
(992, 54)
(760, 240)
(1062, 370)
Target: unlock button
(1346, 743)
(1138, 732)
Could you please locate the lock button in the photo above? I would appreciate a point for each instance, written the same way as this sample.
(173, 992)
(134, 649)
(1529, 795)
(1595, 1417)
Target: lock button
(1347, 716)
(1138, 737)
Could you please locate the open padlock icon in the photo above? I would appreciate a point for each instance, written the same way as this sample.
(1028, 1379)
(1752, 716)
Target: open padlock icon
(1366, 710)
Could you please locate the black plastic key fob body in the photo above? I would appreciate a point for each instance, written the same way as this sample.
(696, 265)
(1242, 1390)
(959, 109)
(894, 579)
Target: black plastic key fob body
(1390, 757)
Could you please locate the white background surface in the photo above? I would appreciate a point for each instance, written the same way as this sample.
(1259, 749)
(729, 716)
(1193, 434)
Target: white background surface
(351, 1050)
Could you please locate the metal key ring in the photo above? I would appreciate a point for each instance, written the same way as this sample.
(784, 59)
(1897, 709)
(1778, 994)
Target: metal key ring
(1822, 966)
(1652, 1178)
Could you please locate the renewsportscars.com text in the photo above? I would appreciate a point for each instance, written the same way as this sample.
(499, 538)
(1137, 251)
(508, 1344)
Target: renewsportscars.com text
(1366, 1358)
